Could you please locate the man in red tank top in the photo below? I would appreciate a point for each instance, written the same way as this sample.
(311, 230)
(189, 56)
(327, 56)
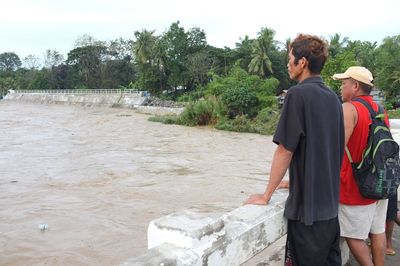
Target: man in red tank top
(359, 217)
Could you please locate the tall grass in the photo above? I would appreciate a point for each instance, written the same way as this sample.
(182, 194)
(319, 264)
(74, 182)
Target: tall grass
(201, 113)
(213, 112)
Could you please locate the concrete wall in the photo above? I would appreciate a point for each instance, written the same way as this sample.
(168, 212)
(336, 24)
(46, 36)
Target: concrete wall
(121, 100)
(192, 238)
(106, 100)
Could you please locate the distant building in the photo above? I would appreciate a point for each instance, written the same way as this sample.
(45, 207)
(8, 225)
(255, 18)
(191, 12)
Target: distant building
(281, 97)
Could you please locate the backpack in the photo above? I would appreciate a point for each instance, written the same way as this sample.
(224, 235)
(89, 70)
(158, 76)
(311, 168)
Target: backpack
(378, 173)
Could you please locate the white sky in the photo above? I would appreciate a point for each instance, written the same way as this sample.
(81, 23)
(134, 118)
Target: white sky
(32, 26)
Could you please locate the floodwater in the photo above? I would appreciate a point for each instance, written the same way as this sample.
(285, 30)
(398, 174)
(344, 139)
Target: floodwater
(96, 177)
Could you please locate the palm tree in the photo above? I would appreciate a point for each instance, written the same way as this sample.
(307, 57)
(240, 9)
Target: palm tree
(243, 52)
(260, 63)
(336, 45)
(143, 46)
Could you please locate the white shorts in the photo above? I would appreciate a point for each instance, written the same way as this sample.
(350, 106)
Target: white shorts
(357, 221)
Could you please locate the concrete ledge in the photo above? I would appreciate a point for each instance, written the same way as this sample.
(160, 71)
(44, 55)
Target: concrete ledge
(106, 100)
(164, 254)
(119, 100)
(194, 238)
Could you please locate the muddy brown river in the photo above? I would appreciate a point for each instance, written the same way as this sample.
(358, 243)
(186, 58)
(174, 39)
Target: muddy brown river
(96, 177)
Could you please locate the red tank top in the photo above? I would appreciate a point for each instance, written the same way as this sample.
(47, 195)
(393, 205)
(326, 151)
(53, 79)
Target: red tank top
(349, 192)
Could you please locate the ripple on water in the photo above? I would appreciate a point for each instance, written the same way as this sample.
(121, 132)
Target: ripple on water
(98, 176)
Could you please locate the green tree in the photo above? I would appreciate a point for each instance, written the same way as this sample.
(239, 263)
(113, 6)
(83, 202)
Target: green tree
(388, 66)
(198, 65)
(52, 58)
(396, 78)
(118, 72)
(196, 40)
(122, 48)
(9, 61)
(364, 53)
(337, 44)
(240, 101)
(337, 64)
(8, 83)
(87, 40)
(39, 80)
(32, 62)
(88, 60)
(145, 49)
(243, 52)
(58, 77)
(177, 43)
(260, 63)
(144, 46)
(222, 59)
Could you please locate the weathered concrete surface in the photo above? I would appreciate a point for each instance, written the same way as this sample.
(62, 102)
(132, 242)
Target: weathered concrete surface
(164, 254)
(105, 100)
(274, 254)
(120, 100)
(190, 238)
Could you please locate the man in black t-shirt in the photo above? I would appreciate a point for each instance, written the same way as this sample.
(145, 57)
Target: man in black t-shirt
(310, 139)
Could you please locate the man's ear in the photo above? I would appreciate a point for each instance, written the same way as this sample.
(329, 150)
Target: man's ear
(357, 86)
(305, 62)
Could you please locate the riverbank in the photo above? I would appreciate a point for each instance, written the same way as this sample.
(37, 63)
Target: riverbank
(136, 100)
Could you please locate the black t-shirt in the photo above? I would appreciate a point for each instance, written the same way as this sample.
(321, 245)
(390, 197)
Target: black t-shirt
(311, 126)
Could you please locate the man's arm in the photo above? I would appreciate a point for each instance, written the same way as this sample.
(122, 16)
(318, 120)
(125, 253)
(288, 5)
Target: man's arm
(350, 118)
(280, 164)
(283, 184)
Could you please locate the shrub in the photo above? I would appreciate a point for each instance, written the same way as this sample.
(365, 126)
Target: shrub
(240, 101)
(201, 113)
(268, 101)
(238, 124)
(267, 121)
(192, 96)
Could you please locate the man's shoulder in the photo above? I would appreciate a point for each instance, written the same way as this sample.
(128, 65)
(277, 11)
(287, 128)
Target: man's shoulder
(349, 108)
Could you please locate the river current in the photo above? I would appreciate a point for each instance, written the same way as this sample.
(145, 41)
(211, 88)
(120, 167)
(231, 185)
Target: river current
(79, 186)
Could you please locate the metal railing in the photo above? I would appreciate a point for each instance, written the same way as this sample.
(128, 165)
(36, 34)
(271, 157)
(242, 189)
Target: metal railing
(110, 91)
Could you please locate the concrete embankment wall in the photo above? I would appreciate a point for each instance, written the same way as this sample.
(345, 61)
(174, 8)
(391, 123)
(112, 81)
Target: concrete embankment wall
(106, 100)
(129, 100)
(190, 238)
(187, 238)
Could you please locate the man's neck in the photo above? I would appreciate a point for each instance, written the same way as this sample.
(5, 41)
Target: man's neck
(305, 75)
(360, 94)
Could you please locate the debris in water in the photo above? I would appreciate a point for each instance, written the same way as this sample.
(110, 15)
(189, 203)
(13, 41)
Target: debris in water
(43, 227)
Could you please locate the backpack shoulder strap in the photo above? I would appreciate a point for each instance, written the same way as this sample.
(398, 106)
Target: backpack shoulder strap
(380, 109)
(348, 154)
(372, 113)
